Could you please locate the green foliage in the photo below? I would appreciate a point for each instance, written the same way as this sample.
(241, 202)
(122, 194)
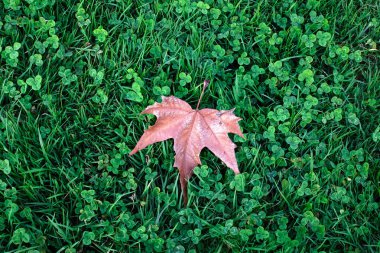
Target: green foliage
(20, 236)
(67, 76)
(100, 97)
(10, 54)
(36, 59)
(100, 34)
(88, 237)
(184, 79)
(12, 4)
(5, 167)
(302, 75)
(34, 82)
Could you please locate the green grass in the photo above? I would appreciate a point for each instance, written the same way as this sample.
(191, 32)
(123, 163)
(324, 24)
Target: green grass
(305, 85)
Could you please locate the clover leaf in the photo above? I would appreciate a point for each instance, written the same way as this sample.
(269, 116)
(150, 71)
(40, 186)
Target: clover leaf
(100, 34)
(34, 82)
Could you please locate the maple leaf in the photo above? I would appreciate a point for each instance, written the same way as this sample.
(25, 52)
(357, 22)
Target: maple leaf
(192, 130)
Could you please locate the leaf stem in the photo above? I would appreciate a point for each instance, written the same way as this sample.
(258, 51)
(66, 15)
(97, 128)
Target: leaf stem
(205, 84)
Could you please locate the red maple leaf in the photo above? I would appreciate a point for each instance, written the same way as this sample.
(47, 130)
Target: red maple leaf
(192, 130)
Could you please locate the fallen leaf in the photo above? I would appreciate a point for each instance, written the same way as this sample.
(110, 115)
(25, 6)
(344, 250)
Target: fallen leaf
(192, 130)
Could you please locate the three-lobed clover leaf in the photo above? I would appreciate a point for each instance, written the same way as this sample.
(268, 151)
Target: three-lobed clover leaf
(203, 7)
(357, 56)
(87, 213)
(156, 51)
(343, 52)
(296, 20)
(307, 75)
(257, 71)
(270, 133)
(12, 4)
(280, 113)
(280, 20)
(88, 237)
(184, 79)
(34, 82)
(376, 134)
(261, 233)
(10, 54)
(52, 41)
(194, 235)
(282, 236)
(100, 34)
(323, 38)
(238, 183)
(20, 236)
(100, 97)
(88, 195)
(309, 40)
(293, 141)
(161, 91)
(36, 59)
(353, 119)
(82, 17)
(171, 45)
(339, 195)
(218, 52)
(135, 93)
(67, 76)
(11, 209)
(97, 75)
(243, 59)
(5, 166)
(310, 102)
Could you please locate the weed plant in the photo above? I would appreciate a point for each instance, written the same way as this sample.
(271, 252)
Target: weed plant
(303, 75)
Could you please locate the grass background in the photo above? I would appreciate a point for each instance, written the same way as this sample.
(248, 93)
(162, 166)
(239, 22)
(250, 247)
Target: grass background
(303, 75)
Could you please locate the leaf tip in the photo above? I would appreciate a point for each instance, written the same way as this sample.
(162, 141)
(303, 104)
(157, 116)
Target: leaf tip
(134, 151)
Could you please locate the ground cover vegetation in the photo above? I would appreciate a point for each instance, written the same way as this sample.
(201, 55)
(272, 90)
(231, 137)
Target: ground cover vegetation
(303, 75)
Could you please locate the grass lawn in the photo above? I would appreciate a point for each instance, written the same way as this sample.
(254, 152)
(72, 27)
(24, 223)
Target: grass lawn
(303, 75)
